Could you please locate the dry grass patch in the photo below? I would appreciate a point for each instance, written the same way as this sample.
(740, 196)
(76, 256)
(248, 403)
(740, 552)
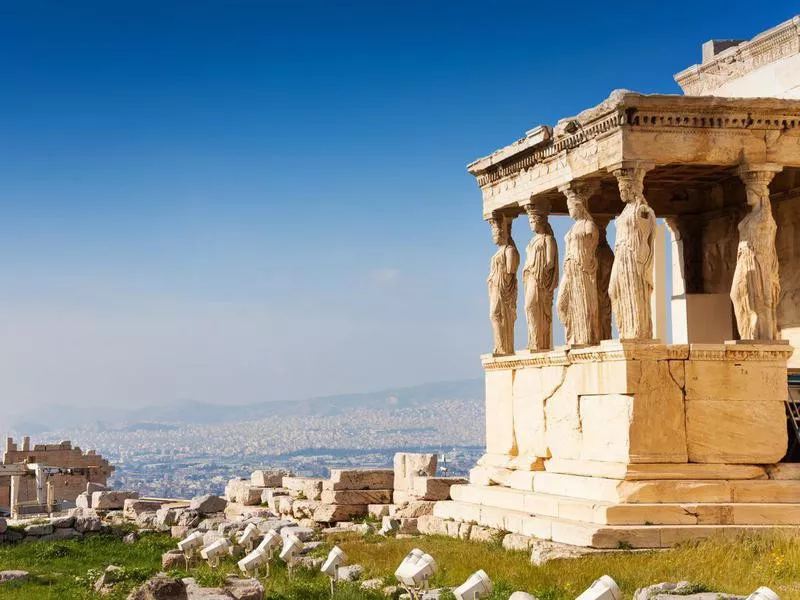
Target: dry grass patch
(735, 566)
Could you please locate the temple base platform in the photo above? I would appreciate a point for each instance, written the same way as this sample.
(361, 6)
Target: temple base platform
(639, 445)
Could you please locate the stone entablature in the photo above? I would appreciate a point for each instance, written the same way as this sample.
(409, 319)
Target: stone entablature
(660, 131)
(735, 70)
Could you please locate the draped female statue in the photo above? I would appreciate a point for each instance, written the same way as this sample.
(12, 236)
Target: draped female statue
(631, 283)
(605, 262)
(756, 286)
(502, 285)
(540, 277)
(577, 296)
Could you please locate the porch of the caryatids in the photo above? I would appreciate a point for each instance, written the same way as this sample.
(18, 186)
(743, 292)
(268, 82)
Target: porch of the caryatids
(502, 284)
(540, 276)
(577, 303)
(631, 282)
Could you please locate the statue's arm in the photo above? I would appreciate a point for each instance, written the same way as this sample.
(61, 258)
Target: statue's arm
(512, 260)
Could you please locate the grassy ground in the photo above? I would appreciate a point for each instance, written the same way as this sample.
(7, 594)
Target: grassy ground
(67, 570)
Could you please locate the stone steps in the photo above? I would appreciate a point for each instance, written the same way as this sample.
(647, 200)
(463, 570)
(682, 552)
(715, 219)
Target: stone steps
(606, 513)
(617, 491)
(581, 533)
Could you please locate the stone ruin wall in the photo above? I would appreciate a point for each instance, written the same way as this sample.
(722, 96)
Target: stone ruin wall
(65, 486)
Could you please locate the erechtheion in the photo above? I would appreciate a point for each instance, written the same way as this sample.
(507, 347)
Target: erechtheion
(633, 440)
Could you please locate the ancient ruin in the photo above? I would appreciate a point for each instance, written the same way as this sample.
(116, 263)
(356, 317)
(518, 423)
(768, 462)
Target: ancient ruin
(637, 441)
(47, 477)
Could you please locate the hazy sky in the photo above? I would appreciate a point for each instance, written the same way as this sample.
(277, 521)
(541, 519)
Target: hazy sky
(240, 201)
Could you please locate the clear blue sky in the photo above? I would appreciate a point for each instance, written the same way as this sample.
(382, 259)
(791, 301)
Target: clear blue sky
(238, 201)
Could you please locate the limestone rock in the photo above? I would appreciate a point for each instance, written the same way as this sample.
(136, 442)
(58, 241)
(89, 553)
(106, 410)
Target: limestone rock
(311, 563)
(517, 542)
(111, 500)
(308, 488)
(59, 522)
(244, 588)
(304, 534)
(521, 596)
(408, 465)
(415, 509)
(88, 523)
(434, 488)
(92, 487)
(659, 588)
(167, 517)
(350, 572)
(483, 534)
(13, 575)
(207, 504)
(131, 538)
(39, 529)
(133, 507)
(304, 509)
(269, 478)
(110, 576)
(372, 496)
(332, 513)
(83, 500)
(360, 479)
(173, 559)
(61, 533)
(544, 551)
(380, 510)
(160, 587)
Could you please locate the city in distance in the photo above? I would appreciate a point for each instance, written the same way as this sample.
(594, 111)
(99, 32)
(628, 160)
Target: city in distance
(186, 448)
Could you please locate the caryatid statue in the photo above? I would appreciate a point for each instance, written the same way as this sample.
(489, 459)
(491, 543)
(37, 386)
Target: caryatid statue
(605, 261)
(540, 278)
(577, 296)
(756, 286)
(631, 284)
(502, 284)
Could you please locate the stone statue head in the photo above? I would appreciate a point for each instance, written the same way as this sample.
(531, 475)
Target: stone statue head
(577, 206)
(501, 229)
(631, 184)
(537, 217)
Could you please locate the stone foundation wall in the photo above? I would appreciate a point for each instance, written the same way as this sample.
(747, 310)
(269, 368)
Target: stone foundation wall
(637, 403)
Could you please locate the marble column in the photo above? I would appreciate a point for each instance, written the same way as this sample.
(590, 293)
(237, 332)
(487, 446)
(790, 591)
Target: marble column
(631, 284)
(577, 302)
(502, 285)
(756, 285)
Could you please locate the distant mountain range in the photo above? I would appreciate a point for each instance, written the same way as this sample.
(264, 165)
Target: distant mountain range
(168, 416)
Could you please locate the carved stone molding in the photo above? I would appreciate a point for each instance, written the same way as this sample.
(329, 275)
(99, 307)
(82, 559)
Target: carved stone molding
(779, 42)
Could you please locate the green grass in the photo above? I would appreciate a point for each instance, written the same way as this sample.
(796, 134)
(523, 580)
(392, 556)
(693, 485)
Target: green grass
(66, 570)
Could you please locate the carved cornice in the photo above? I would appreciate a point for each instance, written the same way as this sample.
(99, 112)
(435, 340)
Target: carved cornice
(772, 45)
(631, 112)
(614, 351)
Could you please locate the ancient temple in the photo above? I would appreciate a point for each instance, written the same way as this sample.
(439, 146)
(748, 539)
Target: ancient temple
(636, 439)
